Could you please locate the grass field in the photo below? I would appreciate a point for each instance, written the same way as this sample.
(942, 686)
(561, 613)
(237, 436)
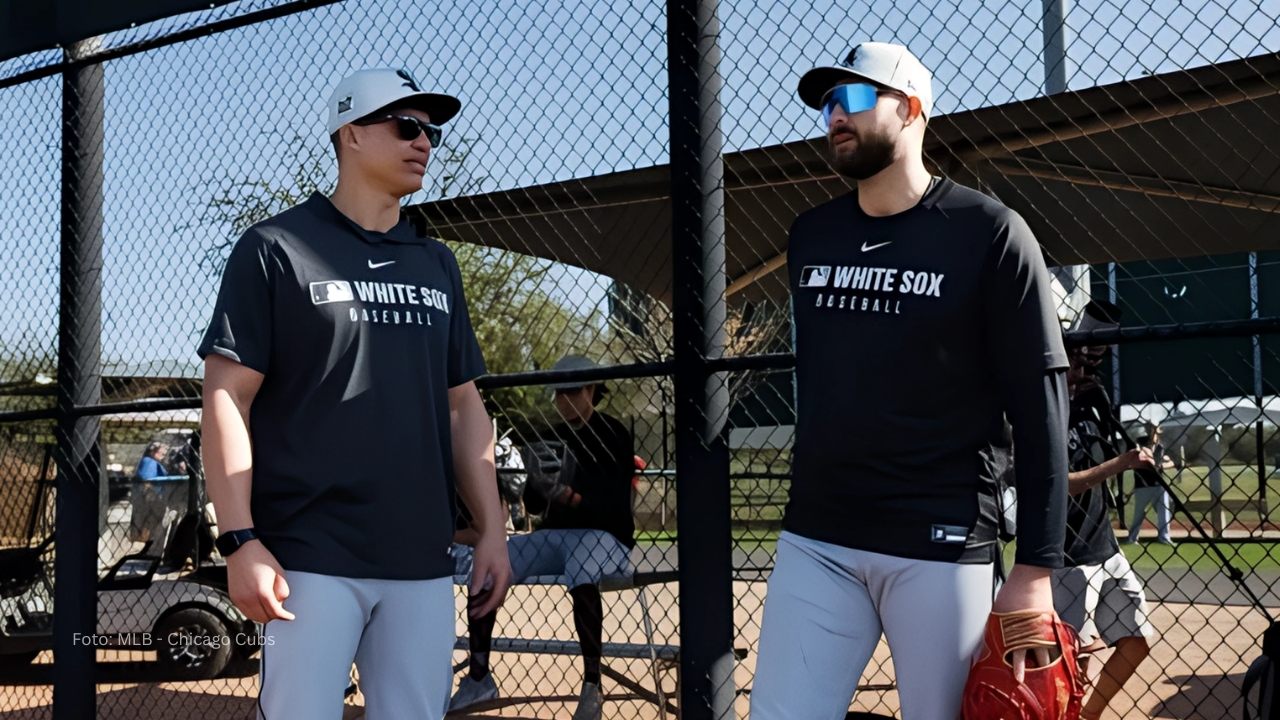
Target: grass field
(758, 504)
(1245, 556)
(763, 500)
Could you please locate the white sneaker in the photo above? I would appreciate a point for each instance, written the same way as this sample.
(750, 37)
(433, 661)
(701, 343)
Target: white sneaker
(590, 703)
(472, 692)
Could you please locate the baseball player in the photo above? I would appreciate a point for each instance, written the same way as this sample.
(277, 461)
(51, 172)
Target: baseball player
(340, 416)
(587, 532)
(1097, 591)
(923, 317)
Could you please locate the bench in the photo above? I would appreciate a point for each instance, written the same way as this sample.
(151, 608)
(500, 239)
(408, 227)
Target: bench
(661, 656)
(665, 657)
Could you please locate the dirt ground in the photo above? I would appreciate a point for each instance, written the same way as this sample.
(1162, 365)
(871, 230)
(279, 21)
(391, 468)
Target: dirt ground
(1194, 672)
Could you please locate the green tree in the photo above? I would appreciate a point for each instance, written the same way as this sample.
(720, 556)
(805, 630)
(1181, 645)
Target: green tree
(641, 331)
(27, 374)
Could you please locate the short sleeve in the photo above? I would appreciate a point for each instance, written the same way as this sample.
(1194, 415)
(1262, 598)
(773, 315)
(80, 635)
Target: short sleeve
(466, 362)
(241, 326)
(1021, 313)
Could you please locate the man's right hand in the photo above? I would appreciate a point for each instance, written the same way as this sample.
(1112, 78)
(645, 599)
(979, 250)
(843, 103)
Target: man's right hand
(257, 585)
(490, 573)
(1138, 458)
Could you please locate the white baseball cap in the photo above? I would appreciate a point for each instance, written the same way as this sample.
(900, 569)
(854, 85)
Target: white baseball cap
(887, 64)
(366, 91)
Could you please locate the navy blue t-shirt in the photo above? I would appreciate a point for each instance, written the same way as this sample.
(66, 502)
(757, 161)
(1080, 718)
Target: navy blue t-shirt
(915, 335)
(359, 336)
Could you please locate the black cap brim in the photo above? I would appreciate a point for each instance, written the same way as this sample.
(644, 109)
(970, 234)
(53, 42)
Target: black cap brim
(441, 108)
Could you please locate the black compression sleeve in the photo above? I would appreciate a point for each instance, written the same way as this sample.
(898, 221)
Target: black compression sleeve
(1038, 411)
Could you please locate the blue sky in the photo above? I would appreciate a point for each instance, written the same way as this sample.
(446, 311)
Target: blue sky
(553, 90)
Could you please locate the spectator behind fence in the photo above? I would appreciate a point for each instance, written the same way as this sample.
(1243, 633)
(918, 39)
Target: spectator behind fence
(1096, 591)
(580, 477)
(151, 465)
(1149, 491)
(149, 500)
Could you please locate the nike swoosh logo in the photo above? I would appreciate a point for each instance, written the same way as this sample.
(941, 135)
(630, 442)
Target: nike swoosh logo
(869, 248)
(375, 266)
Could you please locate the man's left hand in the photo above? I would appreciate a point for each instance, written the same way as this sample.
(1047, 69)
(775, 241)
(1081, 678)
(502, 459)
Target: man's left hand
(1028, 588)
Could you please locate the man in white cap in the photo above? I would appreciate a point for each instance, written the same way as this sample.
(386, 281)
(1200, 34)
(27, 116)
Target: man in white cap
(923, 317)
(341, 420)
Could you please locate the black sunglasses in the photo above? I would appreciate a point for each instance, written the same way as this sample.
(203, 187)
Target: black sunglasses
(409, 128)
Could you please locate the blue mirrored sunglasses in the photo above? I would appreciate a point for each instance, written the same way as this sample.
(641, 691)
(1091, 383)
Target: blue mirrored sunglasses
(852, 98)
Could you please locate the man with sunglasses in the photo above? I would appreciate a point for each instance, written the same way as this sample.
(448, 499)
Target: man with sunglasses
(341, 420)
(923, 317)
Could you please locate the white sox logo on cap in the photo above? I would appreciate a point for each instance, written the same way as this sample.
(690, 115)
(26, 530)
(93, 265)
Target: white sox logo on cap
(885, 64)
(409, 81)
(366, 91)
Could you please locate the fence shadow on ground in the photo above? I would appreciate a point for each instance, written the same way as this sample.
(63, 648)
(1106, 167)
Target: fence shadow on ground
(1201, 697)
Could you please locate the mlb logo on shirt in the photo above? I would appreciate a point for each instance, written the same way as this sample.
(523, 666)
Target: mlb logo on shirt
(949, 534)
(331, 291)
(815, 276)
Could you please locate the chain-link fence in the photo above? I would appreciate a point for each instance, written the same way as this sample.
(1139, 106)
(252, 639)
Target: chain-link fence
(580, 190)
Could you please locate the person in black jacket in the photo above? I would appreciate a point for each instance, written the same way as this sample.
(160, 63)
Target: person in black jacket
(580, 481)
(1097, 592)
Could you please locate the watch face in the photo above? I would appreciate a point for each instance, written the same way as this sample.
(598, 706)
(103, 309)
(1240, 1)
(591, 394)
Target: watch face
(226, 545)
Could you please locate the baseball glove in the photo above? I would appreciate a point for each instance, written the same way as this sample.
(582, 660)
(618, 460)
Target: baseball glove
(1052, 692)
(551, 469)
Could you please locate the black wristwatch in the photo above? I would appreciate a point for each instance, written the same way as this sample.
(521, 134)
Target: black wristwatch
(229, 542)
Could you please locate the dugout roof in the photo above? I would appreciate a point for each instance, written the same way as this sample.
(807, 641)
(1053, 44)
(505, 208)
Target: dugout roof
(1171, 165)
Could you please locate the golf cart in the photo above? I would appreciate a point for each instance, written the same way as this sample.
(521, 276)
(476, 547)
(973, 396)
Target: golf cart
(26, 604)
(170, 596)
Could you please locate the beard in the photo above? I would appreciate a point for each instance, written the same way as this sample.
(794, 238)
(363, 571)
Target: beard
(873, 154)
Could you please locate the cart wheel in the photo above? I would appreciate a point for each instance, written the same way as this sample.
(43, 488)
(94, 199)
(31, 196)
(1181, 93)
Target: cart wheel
(193, 644)
(248, 641)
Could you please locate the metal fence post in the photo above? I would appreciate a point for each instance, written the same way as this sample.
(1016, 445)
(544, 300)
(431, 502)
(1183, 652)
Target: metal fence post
(1054, 28)
(79, 482)
(702, 397)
